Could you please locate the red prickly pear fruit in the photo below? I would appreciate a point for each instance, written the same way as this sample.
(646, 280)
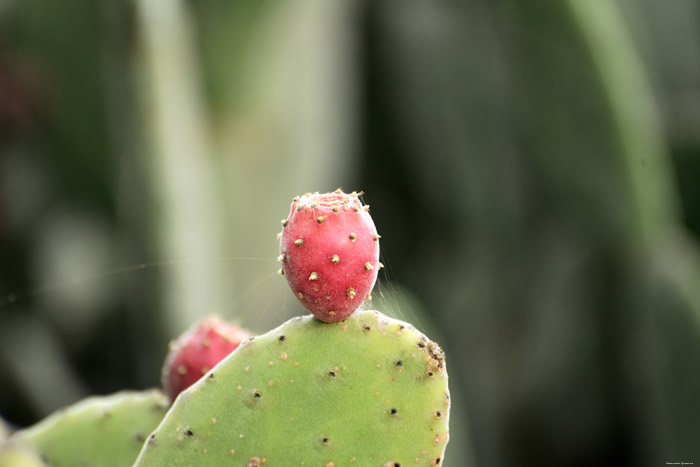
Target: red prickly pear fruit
(329, 249)
(197, 351)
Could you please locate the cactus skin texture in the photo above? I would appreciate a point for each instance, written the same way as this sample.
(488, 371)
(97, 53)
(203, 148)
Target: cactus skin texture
(100, 431)
(197, 351)
(370, 391)
(329, 250)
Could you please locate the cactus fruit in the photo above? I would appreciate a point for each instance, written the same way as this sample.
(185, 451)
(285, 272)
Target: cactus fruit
(100, 431)
(329, 250)
(197, 351)
(371, 390)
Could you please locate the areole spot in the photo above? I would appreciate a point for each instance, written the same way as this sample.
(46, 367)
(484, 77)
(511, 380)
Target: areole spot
(368, 266)
(298, 242)
(320, 219)
(313, 276)
(335, 259)
(351, 293)
(353, 236)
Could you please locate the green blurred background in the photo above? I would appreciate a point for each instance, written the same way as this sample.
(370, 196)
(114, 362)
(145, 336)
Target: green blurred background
(533, 168)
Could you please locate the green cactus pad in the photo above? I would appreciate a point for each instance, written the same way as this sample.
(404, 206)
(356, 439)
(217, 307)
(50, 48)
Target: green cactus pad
(100, 431)
(367, 391)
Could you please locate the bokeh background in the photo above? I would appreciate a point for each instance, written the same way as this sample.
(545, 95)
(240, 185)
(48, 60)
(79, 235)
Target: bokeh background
(533, 168)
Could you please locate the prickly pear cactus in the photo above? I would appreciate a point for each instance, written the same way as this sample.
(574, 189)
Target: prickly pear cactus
(367, 391)
(99, 431)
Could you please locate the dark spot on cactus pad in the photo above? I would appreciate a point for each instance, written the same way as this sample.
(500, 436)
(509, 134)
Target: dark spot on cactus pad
(399, 363)
(430, 373)
(211, 375)
(421, 345)
(326, 440)
(153, 437)
(140, 437)
(394, 411)
(367, 328)
(189, 432)
(331, 373)
(282, 338)
(257, 395)
(438, 414)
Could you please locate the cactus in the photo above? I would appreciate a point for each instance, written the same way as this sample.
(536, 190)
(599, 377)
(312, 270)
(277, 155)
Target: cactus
(329, 248)
(99, 431)
(368, 391)
(197, 351)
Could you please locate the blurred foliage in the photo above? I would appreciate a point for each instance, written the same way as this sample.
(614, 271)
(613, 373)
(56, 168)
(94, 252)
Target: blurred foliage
(532, 168)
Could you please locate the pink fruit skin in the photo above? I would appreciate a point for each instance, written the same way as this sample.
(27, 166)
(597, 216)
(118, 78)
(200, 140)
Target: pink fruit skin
(197, 351)
(330, 253)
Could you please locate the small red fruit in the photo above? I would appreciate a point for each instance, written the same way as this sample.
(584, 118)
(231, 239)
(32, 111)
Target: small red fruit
(197, 351)
(330, 253)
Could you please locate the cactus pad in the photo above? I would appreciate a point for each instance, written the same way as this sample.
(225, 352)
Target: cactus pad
(100, 431)
(367, 391)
